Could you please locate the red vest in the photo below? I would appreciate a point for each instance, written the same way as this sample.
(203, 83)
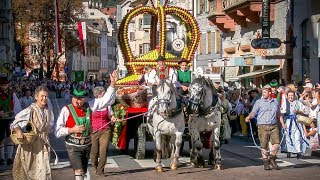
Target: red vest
(99, 119)
(71, 122)
(163, 73)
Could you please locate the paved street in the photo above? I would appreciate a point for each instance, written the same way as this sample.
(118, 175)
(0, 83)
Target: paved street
(241, 160)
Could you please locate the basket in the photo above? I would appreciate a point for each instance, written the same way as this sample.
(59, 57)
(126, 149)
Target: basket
(137, 99)
(28, 137)
(304, 120)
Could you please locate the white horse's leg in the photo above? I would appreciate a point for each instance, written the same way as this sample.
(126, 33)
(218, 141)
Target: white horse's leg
(159, 167)
(177, 144)
(216, 147)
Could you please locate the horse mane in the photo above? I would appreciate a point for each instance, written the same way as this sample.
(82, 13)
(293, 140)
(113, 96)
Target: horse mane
(173, 89)
(205, 82)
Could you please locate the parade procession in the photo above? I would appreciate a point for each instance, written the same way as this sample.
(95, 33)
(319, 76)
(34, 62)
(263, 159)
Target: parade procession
(162, 89)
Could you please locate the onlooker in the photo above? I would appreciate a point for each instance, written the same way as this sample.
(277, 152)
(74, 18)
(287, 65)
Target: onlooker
(312, 134)
(26, 100)
(9, 107)
(295, 141)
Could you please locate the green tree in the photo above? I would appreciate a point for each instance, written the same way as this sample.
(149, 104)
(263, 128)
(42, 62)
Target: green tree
(41, 15)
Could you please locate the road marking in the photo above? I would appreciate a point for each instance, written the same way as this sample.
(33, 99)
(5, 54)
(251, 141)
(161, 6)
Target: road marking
(283, 163)
(60, 165)
(111, 163)
(312, 161)
(146, 163)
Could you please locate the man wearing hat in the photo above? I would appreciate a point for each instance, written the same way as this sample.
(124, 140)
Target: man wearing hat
(9, 106)
(184, 77)
(161, 72)
(274, 85)
(267, 111)
(74, 124)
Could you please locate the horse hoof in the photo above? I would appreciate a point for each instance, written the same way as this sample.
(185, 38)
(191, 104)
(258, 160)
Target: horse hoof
(173, 167)
(218, 167)
(159, 169)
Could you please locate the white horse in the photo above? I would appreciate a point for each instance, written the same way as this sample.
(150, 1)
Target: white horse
(166, 123)
(204, 116)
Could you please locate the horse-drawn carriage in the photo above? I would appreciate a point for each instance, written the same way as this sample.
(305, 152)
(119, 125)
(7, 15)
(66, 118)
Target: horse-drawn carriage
(162, 117)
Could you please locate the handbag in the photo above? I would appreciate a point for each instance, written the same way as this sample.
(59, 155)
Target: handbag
(29, 136)
(304, 119)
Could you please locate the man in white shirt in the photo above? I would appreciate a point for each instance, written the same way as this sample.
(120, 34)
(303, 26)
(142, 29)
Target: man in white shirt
(161, 72)
(74, 123)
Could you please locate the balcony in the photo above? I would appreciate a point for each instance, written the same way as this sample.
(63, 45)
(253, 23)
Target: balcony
(229, 13)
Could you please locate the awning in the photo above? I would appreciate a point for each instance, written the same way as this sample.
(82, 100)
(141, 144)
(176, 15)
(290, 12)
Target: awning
(258, 73)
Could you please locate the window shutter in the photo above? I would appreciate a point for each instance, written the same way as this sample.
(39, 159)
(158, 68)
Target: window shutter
(213, 43)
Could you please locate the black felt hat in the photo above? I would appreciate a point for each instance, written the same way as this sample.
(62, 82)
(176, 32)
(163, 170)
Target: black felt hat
(161, 58)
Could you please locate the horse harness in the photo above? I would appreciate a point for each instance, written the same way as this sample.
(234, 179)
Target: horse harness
(172, 113)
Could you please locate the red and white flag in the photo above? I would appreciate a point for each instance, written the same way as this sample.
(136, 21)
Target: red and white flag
(82, 36)
(58, 47)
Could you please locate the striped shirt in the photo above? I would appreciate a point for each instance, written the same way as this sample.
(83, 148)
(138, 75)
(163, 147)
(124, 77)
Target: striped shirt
(266, 111)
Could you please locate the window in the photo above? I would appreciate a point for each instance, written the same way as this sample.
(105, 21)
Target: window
(209, 42)
(92, 13)
(140, 24)
(147, 19)
(4, 30)
(144, 48)
(218, 42)
(132, 36)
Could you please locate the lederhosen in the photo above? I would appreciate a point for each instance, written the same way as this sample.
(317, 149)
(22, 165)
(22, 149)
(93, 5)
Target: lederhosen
(79, 145)
(6, 105)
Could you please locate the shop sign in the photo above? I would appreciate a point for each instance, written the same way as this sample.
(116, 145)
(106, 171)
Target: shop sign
(265, 20)
(266, 43)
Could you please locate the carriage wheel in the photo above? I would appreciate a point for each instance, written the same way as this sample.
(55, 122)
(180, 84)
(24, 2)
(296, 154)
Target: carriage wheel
(140, 142)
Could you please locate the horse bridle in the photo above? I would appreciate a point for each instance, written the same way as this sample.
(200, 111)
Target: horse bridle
(165, 101)
(199, 102)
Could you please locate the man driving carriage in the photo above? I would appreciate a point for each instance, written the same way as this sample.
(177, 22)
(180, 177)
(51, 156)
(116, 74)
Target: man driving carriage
(161, 72)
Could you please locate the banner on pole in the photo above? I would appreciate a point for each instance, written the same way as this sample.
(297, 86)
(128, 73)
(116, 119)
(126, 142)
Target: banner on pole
(82, 36)
(58, 46)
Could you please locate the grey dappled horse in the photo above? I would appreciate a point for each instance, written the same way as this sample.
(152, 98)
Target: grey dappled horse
(204, 116)
(166, 123)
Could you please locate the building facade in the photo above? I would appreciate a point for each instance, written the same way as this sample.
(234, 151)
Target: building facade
(239, 21)
(209, 49)
(304, 24)
(7, 48)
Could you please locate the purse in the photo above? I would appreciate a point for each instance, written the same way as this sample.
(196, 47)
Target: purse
(304, 119)
(29, 136)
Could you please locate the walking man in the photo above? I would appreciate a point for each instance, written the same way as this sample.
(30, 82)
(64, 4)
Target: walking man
(74, 123)
(9, 107)
(267, 111)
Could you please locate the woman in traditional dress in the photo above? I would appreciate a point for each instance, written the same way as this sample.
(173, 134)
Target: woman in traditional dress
(296, 141)
(32, 160)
